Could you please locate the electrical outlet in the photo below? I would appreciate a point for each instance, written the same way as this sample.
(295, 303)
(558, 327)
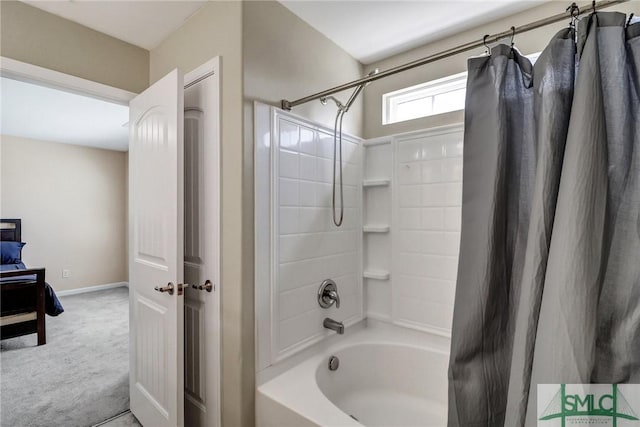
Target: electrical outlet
(66, 274)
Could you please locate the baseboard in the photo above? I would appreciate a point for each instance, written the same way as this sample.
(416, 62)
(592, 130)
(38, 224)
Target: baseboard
(91, 289)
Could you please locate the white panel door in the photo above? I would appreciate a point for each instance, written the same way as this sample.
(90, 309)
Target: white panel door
(202, 245)
(156, 253)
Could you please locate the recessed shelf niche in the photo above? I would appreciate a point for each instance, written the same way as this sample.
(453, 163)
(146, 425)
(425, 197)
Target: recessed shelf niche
(376, 194)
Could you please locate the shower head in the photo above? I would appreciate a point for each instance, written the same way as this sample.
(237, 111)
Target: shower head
(359, 89)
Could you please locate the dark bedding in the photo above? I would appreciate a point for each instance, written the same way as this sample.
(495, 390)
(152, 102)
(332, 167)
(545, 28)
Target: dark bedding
(52, 304)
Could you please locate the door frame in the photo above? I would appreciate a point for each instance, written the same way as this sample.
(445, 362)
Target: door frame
(30, 73)
(210, 68)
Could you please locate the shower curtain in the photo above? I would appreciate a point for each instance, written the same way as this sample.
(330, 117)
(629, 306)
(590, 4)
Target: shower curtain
(548, 288)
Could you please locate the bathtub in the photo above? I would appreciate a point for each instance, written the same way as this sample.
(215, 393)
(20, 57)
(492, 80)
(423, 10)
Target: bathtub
(387, 376)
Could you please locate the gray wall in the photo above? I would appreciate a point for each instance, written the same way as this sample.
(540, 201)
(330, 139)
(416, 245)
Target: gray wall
(284, 57)
(37, 37)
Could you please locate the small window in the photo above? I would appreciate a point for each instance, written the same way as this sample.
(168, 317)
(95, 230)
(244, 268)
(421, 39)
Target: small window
(428, 99)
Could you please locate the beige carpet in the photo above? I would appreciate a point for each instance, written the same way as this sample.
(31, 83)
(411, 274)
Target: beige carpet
(81, 376)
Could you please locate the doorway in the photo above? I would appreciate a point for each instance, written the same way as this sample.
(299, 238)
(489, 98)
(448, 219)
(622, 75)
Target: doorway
(64, 187)
(174, 205)
(196, 391)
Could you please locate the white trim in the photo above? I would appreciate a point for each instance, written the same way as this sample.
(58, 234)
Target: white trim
(22, 71)
(432, 131)
(88, 289)
(432, 87)
(381, 140)
(446, 333)
(428, 90)
(262, 135)
(210, 67)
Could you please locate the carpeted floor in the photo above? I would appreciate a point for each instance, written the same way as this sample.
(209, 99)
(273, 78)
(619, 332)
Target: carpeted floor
(81, 376)
(125, 420)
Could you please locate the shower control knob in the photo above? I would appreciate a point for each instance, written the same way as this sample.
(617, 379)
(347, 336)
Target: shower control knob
(328, 294)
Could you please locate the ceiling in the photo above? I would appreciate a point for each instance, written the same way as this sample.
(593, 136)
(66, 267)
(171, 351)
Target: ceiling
(373, 30)
(369, 30)
(38, 112)
(123, 19)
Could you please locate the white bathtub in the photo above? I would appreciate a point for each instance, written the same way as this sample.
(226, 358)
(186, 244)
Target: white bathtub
(388, 376)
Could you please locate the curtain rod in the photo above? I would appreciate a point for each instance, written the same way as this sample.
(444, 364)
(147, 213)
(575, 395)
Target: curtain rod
(288, 105)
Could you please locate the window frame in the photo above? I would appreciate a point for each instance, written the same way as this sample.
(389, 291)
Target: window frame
(430, 89)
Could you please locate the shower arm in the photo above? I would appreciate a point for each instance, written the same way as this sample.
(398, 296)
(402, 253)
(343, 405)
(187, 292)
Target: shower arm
(288, 105)
(339, 104)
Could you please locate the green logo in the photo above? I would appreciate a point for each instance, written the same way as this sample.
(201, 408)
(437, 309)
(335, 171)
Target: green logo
(567, 405)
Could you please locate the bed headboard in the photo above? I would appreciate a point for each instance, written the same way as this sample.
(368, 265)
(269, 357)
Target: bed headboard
(10, 230)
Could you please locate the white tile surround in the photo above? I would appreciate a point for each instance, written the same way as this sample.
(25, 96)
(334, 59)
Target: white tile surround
(422, 204)
(305, 246)
(427, 217)
(395, 257)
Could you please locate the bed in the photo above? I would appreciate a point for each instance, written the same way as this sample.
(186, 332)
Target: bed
(25, 297)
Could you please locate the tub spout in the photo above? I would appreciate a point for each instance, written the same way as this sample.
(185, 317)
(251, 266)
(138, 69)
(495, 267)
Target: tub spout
(333, 325)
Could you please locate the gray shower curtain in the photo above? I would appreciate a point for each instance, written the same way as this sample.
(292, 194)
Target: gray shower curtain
(548, 288)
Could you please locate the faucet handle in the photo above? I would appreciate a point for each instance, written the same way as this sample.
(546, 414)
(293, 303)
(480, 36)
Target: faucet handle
(334, 296)
(328, 294)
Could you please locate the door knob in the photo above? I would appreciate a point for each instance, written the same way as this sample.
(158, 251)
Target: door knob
(171, 287)
(208, 286)
(168, 288)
